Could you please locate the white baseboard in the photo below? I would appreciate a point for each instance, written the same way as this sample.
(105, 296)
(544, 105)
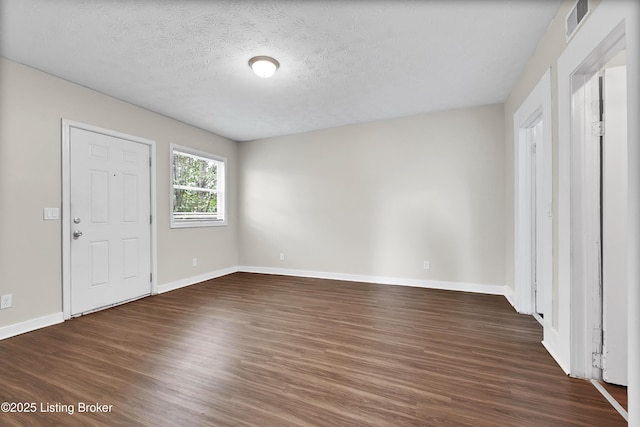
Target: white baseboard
(30, 325)
(195, 279)
(553, 354)
(431, 284)
(41, 322)
(510, 296)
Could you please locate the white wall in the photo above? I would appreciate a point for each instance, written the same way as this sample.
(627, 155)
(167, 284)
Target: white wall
(378, 199)
(32, 105)
(549, 50)
(546, 56)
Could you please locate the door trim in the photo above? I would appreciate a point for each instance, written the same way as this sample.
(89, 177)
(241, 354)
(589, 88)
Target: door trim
(536, 106)
(609, 29)
(67, 125)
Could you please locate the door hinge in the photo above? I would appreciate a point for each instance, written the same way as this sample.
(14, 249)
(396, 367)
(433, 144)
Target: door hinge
(597, 360)
(151, 277)
(149, 161)
(150, 219)
(533, 148)
(597, 129)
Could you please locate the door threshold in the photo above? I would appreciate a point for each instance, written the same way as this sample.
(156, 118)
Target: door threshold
(110, 305)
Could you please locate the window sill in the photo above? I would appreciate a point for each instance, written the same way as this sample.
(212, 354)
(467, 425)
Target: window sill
(198, 224)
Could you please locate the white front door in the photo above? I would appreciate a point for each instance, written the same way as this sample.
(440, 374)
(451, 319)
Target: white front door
(110, 202)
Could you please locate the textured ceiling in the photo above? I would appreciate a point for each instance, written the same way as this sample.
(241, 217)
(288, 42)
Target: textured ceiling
(342, 62)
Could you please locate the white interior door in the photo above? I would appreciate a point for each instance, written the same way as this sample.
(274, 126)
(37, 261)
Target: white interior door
(537, 217)
(614, 226)
(110, 220)
(534, 186)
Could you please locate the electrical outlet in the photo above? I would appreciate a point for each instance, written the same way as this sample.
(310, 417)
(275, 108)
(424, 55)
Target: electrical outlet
(281, 256)
(6, 301)
(426, 265)
(194, 262)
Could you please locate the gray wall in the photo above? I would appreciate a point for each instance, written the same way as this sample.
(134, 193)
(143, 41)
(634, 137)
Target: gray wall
(378, 199)
(31, 109)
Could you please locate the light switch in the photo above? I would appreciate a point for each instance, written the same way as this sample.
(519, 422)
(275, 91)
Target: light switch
(51, 214)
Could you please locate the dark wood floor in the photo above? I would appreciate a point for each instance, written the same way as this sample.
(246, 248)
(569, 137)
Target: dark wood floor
(255, 350)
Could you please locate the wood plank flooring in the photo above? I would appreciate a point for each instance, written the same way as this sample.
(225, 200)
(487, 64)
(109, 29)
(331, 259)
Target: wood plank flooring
(256, 350)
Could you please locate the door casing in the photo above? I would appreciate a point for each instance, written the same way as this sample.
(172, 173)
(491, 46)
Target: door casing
(579, 259)
(536, 107)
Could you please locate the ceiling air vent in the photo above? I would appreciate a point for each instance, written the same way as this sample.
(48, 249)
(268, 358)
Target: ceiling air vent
(576, 16)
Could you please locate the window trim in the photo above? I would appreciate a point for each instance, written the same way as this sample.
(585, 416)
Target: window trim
(222, 188)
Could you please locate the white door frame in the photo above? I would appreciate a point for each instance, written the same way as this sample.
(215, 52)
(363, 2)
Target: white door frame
(579, 197)
(67, 125)
(537, 106)
(610, 26)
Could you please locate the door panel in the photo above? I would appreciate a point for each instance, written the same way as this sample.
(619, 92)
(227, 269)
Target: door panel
(98, 194)
(129, 198)
(110, 207)
(130, 256)
(99, 267)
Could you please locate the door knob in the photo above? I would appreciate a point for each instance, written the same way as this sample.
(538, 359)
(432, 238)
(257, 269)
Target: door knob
(76, 234)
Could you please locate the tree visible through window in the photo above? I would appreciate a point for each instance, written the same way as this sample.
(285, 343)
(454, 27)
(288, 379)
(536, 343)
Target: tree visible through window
(198, 188)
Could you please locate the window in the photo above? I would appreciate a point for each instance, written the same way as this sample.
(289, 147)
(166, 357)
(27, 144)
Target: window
(198, 188)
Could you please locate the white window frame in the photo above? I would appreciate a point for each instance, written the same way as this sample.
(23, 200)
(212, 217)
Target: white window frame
(221, 191)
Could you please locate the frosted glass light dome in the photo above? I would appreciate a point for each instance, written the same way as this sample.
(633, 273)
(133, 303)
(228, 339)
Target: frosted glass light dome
(263, 66)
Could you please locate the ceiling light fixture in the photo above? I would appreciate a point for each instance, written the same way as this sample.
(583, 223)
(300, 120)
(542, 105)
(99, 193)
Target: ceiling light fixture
(264, 66)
